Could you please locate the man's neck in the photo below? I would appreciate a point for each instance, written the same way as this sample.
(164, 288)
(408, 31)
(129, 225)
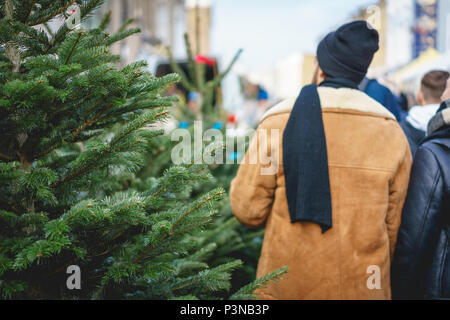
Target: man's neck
(430, 103)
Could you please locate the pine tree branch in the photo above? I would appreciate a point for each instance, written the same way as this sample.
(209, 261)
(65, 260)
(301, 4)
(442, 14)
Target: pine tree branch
(49, 30)
(176, 68)
(259, 283)
(55, 40)
(33, 34)
(53, 14)
(199, 205)
(98, 254)
(148, 250)
(201, 222)
(216, 82)
(186, 285)
(156, 116)
(76, 132)
(222, 268)
(74, 46)
(75, 260)
(193, 71)
(171, 234)
(87, 166)
(90, 121)
(105, 36)
(162, 189)
(5, 157)
(11, 205)
(60, 34)
(27, 15)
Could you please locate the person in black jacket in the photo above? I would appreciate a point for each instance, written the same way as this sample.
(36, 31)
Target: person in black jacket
(421, 265)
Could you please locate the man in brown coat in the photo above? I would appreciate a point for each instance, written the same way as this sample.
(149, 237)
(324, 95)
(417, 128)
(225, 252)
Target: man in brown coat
(329, 181)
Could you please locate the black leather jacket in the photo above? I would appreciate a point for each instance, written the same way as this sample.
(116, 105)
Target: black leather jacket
(421, 265)
(414, 136)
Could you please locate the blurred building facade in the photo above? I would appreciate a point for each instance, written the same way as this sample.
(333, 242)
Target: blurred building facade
(293, 73)
(419, 36)
(163, 24)
(425, 26)
(407, 29)
(414, 38)
(198, 16)
(443, 32)
(399, 38)
(377, 16)
(285, 79)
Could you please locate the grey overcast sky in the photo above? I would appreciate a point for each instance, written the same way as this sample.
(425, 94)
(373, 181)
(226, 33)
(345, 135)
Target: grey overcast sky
(269, 30)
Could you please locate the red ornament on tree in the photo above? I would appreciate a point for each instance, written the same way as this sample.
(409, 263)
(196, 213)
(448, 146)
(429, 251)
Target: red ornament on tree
(208, 61)
(232, 118)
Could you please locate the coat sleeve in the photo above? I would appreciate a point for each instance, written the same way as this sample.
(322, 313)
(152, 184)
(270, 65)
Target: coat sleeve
(419, 228)
(397, 194)
(252, 190)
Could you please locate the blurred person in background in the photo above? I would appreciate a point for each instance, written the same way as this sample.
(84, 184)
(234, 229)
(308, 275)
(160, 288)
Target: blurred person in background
(193, 102)
(421, 266)
(383, 95)
(331, 190)
(404, 101)
(256, 104)
(263, 103)
(429, 98)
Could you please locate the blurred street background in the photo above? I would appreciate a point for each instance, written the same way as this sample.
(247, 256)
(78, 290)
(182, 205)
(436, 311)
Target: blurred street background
(278, 38)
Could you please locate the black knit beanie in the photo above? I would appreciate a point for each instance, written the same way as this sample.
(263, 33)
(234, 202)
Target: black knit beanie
(348, 52)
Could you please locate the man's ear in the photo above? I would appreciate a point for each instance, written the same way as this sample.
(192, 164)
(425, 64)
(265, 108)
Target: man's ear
(420, 98)
(319, 75)
(315, 75)
(322, 75)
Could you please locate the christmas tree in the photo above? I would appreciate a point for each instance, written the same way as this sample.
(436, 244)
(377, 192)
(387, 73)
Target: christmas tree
(194, 80)
(74, 130)
(234, 240)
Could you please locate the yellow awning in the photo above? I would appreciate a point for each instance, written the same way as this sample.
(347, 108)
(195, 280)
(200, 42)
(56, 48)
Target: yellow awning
(417, 65)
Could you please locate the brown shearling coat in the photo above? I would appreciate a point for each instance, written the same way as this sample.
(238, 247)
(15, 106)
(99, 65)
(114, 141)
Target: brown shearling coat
(369, 167)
